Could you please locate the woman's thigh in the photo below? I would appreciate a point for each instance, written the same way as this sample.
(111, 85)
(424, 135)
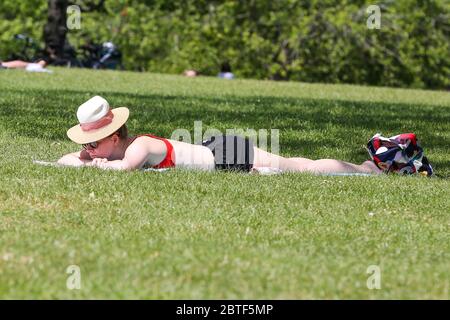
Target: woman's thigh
(302, 161)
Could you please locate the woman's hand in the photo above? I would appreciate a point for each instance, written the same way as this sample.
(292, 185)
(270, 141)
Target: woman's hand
(98, 162)
(103, 163)
(73, 159)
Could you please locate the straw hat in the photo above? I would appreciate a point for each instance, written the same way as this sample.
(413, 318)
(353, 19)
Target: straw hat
(97, 121)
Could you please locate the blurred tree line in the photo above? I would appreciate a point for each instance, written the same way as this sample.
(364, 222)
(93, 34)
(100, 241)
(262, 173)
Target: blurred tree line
(304, 40)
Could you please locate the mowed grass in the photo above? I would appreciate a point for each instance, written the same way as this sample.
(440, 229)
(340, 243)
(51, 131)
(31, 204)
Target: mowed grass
(197, 235)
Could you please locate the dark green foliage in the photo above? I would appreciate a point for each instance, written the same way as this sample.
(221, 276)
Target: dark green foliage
(313, 41)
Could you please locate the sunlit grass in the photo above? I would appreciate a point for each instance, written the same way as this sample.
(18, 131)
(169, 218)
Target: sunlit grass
(187, 234)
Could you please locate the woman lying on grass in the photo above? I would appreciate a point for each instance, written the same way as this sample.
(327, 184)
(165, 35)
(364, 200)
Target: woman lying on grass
(103, 134)
(38, 66)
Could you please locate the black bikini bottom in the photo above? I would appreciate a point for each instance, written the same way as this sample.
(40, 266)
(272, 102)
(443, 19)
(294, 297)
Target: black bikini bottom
(231, 152)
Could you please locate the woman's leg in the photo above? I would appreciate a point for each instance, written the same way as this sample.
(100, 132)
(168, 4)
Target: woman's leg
(16, 64)
(266, 159)
(304, 161)
(338, 166)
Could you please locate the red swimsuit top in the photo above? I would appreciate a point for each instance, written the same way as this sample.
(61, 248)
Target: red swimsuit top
(169, 159)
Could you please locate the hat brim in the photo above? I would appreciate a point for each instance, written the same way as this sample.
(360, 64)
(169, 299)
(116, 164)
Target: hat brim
(77, 135)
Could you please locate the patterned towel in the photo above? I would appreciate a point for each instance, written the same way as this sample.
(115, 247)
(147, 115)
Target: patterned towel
(401, 153)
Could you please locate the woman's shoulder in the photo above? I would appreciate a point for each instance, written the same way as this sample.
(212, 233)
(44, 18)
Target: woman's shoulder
(145, 137)
(147, 142)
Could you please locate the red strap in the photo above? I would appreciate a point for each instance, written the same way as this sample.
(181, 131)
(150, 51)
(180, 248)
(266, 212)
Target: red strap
(169, 160)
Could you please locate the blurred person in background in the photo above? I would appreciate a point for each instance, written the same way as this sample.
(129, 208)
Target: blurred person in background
(225, 71)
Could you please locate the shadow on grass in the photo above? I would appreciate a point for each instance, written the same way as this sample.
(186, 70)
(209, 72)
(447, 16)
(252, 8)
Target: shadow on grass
(306, 126)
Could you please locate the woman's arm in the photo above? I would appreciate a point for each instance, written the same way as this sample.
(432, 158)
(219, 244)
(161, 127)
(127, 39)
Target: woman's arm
(135, 156)
(75, 159)
(103, 163)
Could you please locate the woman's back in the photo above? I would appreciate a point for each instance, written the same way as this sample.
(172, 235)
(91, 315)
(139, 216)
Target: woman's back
(192, 156)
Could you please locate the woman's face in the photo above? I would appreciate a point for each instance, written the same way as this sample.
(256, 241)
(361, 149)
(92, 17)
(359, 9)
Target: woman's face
(104, 148)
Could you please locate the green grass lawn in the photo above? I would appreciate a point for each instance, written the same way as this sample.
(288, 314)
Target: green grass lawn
(200, 235)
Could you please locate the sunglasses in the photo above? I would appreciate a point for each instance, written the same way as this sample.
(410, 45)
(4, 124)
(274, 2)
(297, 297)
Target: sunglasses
(92, 145)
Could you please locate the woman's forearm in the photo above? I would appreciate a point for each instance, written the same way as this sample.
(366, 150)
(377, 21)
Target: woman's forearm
(114, 164)
(71, 160)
